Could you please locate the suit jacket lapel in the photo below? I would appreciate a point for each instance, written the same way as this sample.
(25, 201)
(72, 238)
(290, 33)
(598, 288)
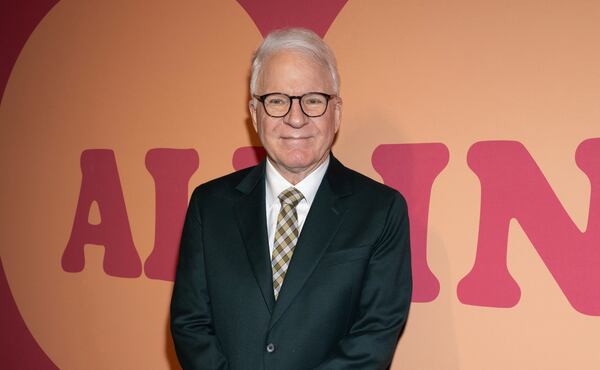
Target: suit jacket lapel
(322, 222)
(251, 219)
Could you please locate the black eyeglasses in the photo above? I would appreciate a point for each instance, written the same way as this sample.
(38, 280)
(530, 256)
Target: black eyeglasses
(312, 104)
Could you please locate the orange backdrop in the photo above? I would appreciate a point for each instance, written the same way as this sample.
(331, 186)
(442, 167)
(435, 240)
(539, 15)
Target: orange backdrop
(467, 79)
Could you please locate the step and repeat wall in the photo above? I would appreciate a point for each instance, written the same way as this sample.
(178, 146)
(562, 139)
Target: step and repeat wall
(484, 114)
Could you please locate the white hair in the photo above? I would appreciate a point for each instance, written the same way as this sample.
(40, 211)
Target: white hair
(297, 39)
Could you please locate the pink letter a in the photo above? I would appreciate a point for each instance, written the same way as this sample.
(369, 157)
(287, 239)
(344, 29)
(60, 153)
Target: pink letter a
(100, 183)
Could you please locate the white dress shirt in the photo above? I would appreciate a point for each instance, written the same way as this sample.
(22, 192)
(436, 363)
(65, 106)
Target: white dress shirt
(276, 183)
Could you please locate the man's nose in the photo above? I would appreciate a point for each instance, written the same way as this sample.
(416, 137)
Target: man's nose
(295, 117)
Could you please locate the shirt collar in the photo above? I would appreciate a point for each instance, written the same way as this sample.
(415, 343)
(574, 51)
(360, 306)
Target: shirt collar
(276, 183)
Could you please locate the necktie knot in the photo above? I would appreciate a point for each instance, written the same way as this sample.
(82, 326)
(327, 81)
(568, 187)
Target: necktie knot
(291, 196)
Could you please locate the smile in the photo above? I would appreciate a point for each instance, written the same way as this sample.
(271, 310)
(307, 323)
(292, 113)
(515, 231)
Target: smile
(295, 138)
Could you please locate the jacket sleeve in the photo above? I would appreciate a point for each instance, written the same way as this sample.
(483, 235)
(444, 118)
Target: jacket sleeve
(196, 344)
(384, 301)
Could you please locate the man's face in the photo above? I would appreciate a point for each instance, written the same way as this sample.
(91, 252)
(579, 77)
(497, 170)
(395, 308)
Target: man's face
(296, 144)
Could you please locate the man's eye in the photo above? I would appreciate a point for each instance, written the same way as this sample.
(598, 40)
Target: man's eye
(313, 101)
(276, 101)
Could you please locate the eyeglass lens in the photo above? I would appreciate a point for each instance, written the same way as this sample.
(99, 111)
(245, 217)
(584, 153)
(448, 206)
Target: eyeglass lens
(312, 104)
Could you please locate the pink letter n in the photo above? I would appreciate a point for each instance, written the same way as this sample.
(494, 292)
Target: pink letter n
(513, 186)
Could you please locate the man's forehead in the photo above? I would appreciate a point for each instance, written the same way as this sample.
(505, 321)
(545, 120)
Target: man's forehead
(293, 56)
(290, 65)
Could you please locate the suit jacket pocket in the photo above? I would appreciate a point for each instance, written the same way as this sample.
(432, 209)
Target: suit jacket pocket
(345, 256)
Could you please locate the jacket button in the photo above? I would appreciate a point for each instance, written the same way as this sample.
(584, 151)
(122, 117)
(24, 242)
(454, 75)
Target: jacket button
(270, 348)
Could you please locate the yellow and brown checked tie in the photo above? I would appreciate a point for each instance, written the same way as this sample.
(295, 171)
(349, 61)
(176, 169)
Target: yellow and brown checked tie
(286, 235)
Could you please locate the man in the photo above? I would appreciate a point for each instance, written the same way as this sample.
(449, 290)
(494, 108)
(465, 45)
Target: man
(297, 263)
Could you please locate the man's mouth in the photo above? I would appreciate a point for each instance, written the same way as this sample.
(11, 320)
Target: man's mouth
(295, 137)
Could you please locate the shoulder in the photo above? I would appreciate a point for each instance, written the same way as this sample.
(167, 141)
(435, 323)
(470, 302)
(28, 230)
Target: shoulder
(224, 187)
(371, 206)
(365, 188)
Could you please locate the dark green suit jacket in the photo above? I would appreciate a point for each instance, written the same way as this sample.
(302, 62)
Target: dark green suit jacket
(345, 296)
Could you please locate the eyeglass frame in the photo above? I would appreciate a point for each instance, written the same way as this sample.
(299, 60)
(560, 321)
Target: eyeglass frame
(261, 98)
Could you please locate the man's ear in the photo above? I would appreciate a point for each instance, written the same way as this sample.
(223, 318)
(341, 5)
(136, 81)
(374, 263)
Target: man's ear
(252, 108)
(338, 113)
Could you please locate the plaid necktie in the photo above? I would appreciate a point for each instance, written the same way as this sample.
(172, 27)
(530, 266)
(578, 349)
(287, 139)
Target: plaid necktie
(286, 235)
